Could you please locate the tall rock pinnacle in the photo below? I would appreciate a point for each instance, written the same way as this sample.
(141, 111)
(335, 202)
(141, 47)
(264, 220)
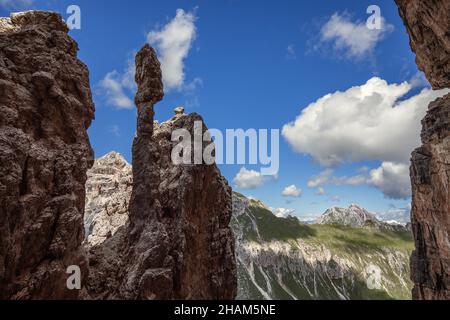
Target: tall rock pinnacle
(178, 243)
(428, 25)
(45, 109)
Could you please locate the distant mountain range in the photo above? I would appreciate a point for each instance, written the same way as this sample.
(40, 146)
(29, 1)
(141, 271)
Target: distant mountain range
(347, 254)
(394, 216)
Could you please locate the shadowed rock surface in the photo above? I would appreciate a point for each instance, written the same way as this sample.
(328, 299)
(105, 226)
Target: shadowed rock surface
(177, 243)
(428, 25)
(45, 110)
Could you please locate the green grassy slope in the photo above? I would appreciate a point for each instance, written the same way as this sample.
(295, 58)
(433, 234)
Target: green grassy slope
(281, 258)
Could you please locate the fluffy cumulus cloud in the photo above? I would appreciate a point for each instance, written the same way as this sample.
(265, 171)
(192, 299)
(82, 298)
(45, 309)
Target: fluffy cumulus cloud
(363, 123)
(250, 179)
(352, 39)
(119, 87)
(282, 212)
(367, 122)
(352, 180)
(392, 179)
(292, 191)
(173, 43)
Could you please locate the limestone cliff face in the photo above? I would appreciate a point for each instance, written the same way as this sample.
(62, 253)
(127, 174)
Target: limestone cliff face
(45, 110)
(428, 24)
(177, 243)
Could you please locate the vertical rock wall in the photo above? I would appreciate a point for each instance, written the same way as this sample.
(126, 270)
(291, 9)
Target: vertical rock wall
(428, 25)
(45, 109)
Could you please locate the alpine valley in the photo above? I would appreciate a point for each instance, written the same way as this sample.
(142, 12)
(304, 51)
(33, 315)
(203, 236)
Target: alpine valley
(346, 254)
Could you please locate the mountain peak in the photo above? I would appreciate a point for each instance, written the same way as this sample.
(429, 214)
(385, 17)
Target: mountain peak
(353, 216)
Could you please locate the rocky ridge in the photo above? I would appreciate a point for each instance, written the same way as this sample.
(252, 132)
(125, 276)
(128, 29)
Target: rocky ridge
(152, 232)
(282, 258)
(357, 217)
(46, 108)
(353, 216)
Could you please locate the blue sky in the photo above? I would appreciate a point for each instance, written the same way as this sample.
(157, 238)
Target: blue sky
(258, 64)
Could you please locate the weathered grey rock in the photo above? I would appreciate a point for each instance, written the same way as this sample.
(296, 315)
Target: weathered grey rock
(108, 191)
(45, 109)
(428, 25)
(177, 243)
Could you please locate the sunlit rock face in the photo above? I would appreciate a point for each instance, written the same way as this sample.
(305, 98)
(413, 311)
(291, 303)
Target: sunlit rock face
(45, 109)
(428, 25)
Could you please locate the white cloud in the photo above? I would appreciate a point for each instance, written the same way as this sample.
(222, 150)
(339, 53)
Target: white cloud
(115, 91)
(365, 122)
(321, 179)
(119, 87)
(292, 191)
(392, 179)
(16, 4)
(173, 43)
(352, 39)
(352, 180)
(250, 179)
(282, 212)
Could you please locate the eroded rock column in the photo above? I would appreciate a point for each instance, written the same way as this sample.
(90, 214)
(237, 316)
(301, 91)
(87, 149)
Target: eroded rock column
(179, 243)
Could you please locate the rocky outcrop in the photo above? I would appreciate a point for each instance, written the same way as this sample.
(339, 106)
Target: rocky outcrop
(430, 176)
(428, 24)
(353, 216)
(108, 191)
(45, 110)
(356, 217)
(177, 243)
